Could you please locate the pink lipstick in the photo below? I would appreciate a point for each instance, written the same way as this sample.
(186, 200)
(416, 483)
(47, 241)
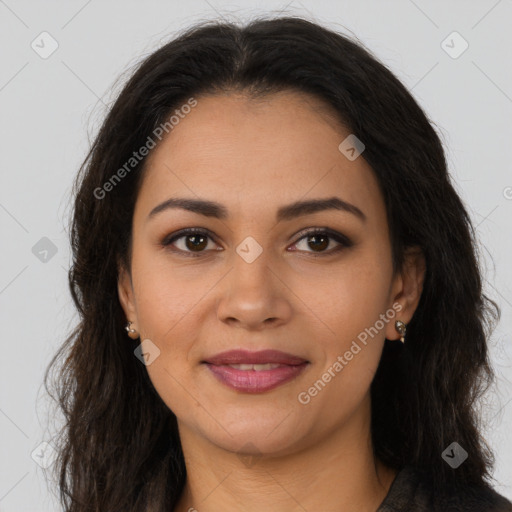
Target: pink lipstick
(255, 372)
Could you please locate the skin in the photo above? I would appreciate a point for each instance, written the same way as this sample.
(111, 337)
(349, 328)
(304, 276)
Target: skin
(254, 156)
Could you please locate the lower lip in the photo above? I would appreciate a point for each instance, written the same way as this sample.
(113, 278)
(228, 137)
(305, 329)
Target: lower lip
(252, 381)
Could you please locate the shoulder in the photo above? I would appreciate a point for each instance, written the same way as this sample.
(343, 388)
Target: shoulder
(483, 499)
(412, 491)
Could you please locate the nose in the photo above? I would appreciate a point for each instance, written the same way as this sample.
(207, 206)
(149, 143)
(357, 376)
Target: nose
(253, 296)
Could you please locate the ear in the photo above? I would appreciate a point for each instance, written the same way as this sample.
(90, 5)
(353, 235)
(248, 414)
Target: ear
(407, 288)
(126, 295)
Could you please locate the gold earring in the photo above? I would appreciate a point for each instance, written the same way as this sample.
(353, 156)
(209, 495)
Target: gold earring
(401, 328)
(131, 332)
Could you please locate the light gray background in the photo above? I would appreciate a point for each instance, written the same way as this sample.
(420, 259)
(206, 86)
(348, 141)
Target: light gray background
(49, 108)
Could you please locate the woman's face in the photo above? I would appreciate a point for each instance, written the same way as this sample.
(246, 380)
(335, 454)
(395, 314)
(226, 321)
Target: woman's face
(256, 281)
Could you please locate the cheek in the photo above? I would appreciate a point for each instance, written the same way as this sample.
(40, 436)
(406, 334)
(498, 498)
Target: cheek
(352, 298)
(352, 310)
(166, 302)
(165, 293)
(167, 317)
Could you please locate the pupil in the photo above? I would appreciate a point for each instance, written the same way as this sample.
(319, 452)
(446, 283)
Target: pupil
(325, 238)
(194, 244)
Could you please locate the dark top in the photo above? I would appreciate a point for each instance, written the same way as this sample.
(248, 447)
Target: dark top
(409, 492)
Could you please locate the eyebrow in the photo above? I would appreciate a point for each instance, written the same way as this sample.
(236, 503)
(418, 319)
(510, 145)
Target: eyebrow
(288, 212)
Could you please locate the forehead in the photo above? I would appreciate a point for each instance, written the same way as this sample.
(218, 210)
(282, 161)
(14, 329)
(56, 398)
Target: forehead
(249, 153)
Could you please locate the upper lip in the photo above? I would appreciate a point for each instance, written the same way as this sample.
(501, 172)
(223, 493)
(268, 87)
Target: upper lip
(250, 357)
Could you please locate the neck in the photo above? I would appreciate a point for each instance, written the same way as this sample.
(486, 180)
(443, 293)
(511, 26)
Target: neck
(336, 472)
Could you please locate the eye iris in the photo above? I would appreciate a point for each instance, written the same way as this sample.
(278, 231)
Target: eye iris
(322, 237)
(195, 245)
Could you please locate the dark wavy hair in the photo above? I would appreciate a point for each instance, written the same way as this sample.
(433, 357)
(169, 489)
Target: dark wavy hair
(119, 448)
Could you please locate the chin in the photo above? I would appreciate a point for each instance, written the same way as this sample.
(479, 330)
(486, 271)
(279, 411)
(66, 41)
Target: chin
(251, 446)
(255, 439)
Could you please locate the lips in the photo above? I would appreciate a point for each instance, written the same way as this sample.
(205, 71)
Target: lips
(255, 372)
(260, 357)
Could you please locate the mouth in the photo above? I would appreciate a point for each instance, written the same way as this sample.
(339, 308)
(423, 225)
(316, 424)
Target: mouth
(255, 372)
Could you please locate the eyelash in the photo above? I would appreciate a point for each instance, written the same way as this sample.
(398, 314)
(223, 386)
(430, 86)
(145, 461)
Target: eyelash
(338, 237)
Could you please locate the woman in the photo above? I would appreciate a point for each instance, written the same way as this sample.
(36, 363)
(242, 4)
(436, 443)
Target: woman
(281, 305)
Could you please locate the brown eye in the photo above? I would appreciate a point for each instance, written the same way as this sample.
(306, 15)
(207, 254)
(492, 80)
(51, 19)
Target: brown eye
(191, 241)
(194, 242)
(319, 240)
